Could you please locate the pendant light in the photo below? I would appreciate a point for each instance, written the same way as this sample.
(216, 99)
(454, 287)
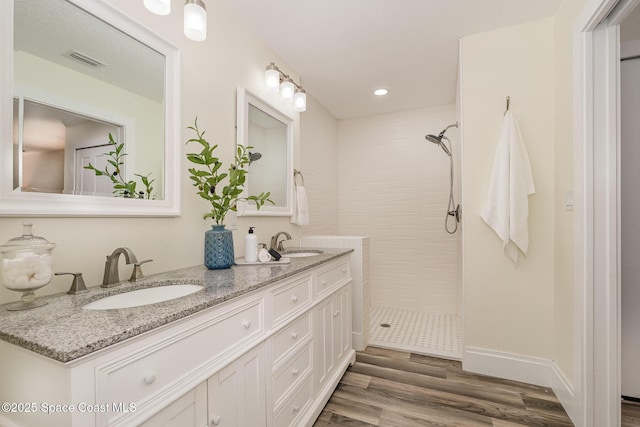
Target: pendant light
(195, 20)
(159, 7)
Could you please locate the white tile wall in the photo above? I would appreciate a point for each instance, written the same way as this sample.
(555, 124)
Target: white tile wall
(394, 188)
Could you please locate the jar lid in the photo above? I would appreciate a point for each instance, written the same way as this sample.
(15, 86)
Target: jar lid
(27, 241)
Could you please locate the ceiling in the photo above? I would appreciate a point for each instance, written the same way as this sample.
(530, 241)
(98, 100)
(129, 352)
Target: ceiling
(344, 49)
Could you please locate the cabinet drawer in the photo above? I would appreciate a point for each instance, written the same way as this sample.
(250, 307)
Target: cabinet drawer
(294, 406)
(138, 377)
(288, 338)
(330, 278)
(291, 298)
(292, 373)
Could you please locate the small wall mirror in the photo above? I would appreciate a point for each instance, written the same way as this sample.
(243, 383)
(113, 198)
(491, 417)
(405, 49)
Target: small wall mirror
(270, 134)
(82, 70)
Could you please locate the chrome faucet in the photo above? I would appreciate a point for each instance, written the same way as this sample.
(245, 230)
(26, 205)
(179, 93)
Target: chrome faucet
(111, 277)
(278, 245)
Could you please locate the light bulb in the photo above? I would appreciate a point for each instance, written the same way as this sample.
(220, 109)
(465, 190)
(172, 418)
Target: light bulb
(159, 7)
(272, 78)
(287, 89)
(300, 100)
(195, 20)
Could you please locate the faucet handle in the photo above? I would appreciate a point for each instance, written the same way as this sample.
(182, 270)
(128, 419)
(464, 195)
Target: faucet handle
(77, 286)
(136, 274)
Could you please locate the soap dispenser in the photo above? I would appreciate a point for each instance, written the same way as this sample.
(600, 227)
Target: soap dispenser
(251, 246)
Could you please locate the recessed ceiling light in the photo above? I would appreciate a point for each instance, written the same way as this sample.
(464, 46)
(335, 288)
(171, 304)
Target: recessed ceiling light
(380, 92)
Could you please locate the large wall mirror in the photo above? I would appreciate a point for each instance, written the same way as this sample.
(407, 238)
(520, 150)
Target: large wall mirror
(270, 134)
(75, 72)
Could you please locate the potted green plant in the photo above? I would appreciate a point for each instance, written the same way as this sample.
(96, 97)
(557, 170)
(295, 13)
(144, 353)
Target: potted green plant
(223, 190)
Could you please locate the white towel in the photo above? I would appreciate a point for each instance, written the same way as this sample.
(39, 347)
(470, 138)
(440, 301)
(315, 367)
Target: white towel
(301, 209)
(506, 208)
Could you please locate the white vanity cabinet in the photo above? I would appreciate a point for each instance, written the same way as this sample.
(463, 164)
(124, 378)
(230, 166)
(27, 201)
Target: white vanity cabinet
(269, 358)
(234, 396)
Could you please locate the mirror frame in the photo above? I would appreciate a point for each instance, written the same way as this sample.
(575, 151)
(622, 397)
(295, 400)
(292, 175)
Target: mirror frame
(17, 203)
(246, 98)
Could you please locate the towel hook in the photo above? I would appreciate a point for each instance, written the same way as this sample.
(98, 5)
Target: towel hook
(295, 174)
(508, 101)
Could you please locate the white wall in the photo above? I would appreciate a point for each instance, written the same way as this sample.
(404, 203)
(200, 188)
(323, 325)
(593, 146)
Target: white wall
(563, 327)
(506, 308)
(630, 207)
(230, 57)
(394, 188)
(318, 162)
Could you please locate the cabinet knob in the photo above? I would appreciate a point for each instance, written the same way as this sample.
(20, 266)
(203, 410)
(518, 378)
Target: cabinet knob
(344, 270)
(294, 335)
(294, 298)
(296, 408)
(323, 283)
(149, 378)
(336, 313)
(246, 324)
(295, 371)
(216, 420)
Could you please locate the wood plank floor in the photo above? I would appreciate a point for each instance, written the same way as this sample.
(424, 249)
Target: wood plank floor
(396, 389)
(630, 414)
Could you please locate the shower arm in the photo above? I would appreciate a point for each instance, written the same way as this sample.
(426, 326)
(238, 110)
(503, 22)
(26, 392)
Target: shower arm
(455, 125)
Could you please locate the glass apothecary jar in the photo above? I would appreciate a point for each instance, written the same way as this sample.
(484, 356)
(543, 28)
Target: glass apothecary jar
(26, 265)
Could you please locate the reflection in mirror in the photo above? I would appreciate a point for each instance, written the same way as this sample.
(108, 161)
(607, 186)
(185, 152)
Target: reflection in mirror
(270, 134)
(52, 138)
(91, 63)
(83, 70)
(268, 137)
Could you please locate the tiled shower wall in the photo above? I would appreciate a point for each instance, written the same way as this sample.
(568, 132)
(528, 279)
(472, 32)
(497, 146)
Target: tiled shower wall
(394, 188)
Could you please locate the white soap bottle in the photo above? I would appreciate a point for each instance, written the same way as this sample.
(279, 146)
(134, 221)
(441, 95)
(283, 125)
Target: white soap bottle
(251, 246)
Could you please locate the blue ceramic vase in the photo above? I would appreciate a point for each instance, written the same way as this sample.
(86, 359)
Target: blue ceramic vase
(218, 248)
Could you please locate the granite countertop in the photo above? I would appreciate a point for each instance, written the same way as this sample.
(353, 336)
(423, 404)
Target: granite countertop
(64, 331)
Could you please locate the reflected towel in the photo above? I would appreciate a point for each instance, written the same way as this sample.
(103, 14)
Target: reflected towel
(506, 208)
(301, 209)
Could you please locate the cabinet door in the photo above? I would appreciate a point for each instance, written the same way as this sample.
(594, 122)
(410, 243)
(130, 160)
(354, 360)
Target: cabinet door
(237, 393)
(188, 411)
(331, 334)
(322, 343)
(341, 323)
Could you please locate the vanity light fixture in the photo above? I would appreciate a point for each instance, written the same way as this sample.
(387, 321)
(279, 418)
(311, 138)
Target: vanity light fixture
(275, 80)
(195, 20)
(159, 7)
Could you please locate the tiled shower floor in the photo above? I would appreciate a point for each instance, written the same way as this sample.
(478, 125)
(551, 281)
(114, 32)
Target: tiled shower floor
(435, 334)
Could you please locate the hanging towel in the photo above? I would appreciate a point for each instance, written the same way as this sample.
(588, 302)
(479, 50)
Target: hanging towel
(301, 209)
(506, 208)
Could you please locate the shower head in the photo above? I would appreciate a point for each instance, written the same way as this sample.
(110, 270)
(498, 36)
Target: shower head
(254, 157)
(438, 139)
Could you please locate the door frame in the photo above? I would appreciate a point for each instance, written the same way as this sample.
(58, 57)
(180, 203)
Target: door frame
(596, 226)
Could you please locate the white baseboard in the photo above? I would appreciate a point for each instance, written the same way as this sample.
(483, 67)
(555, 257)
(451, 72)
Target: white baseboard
(527, 369)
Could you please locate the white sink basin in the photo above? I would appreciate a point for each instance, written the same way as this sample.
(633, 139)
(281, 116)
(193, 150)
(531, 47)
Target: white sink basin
(142, 297)
(301, 254)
